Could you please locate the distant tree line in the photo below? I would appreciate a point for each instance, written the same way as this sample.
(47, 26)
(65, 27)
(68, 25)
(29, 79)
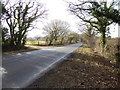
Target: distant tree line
(58, 32)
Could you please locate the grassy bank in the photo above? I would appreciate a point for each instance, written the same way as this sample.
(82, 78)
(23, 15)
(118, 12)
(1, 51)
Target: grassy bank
(83, 69)
(25, 49)
(10, 49)
(112, 50)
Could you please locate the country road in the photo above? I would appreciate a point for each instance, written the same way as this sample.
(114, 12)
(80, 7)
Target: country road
(22, 69)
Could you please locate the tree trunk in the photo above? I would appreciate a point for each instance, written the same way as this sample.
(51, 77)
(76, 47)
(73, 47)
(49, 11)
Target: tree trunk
(12, 38)
(70, 41)
(18, 44)
(102, 40)
(61, 42)
(50, 43)
(12, 42)
(38, 41)
(55, 43)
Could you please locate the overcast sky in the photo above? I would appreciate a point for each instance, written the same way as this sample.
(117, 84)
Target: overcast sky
(57, 9)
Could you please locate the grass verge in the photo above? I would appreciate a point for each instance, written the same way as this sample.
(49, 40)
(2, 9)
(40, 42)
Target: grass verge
(25, 49)
(83, 69)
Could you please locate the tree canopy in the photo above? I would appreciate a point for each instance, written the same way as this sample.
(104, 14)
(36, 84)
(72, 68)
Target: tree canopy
(55, 30)
(20, 18)
(96, 14)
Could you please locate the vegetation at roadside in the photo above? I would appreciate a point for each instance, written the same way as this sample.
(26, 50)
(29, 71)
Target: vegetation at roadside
(24, 49)
(97, 15)
(90, 13)
(83, 69)
(96, 64)
(19, 19)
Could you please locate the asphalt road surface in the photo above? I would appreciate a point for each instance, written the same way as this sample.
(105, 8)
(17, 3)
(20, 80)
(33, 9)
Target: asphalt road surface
(21, 69)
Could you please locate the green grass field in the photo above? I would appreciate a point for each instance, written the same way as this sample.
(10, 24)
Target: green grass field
(35, 43)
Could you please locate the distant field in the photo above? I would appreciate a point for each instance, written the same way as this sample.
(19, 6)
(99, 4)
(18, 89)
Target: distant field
(35, 42)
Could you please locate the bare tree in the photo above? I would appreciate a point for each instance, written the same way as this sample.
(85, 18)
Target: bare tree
(73, 37)
(20, 18)
(64, 34)
(3, 30)
(88, 35)
(56, 30)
